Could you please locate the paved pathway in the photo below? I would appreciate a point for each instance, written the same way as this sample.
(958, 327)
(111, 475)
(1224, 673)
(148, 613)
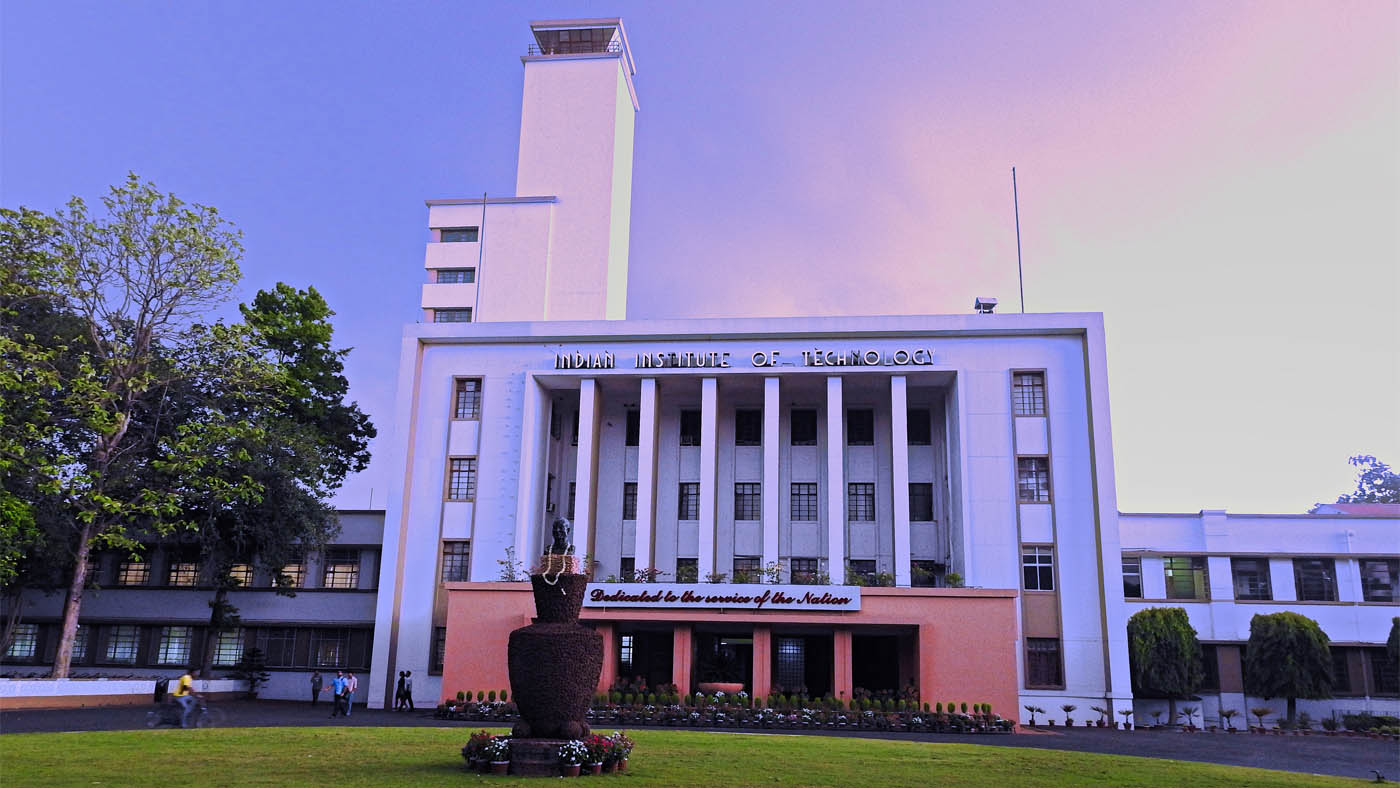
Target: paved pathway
(1340, 756)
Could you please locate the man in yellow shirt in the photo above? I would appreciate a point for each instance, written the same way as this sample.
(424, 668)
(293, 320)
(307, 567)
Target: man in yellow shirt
(185, 695)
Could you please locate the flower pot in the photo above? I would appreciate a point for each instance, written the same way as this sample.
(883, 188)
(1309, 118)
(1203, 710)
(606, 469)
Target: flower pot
(727, 687)
(622, 765)
(609, 767)
(594, 768)
(569, 770)
(500, 767)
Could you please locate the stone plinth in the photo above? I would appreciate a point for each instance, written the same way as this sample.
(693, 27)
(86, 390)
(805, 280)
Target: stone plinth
(535, 757)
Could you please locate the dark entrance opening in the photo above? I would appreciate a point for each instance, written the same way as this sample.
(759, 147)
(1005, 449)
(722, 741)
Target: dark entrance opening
(724, 658)
(802, 663)
(875, 662)
(644, 654)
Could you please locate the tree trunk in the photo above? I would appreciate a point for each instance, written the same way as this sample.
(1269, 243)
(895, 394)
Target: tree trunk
(1292, 710)
(14, 613)
(216, 625)
(1171, 711)
(73, 604)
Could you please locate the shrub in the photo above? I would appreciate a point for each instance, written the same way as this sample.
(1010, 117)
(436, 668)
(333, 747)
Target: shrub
(480, 696)
(627, 699)
(964, 707)
(615, 697)
(1364, 722)
(461, 695)
(651, 698)
(504, 696)
(940, 707)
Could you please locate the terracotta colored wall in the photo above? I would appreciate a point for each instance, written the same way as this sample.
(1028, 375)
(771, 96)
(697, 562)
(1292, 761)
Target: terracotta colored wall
(966, 637)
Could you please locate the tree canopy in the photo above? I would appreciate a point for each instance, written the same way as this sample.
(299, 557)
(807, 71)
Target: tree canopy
(1164, 655)
(1375, 482)
(1287, 657)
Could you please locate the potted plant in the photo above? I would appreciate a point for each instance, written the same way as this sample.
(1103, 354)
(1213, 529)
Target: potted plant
(1226, 715)
(1103, 714)
(1034, 710)
(1125, 714)
(598, 747)
(1260, 712)
(1068, 709)
(571, 755)
(1188, 713)
(473, 751)
(621, 749)
(497, 752)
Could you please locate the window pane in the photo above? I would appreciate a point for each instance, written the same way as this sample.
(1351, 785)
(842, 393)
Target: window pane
(690, 428)
(1379, 578)
(1186, 577)
(1032, 479)
(688, 502)
(1341, 671)
(687, 570)
(629, 500)
(860, 501)
(792, 662)
(748, 501)
(1028, 394)
(924, 574)
(860, 427)
(862, 568)
(293, 574)
(748, 428)
(804, 501)
(184, 570)
(746, 569)
(452, 315)
(634, 427)
(134, 572)
(1132, 578)
(803, 570)
(342, 569)
(1038, 568)
(804, 428)
(122, 644)
(174, 648)
(461, 481)
(1315, 579)
(456, 276)
(627, 569)
(25, 644)
(456, 562)
(467, 399)
(1385, 673)
(1251, 576)
(450, 235)
(439, 651)
(920, 502)
(1043, 662)
(241, 574)
(330, 648)
(573, 500)
(919, 428)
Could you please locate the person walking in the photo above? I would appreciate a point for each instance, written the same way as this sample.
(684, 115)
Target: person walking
(316, 684)
(408, 689)
(338, 691)
(399, 694)
(351, 684)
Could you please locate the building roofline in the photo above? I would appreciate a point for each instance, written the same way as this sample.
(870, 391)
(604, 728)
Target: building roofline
(543, 198)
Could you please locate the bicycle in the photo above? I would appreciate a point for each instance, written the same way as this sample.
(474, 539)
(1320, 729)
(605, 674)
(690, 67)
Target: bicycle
(203, 716)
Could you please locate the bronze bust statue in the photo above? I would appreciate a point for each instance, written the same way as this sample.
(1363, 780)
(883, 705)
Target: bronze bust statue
(563, 537)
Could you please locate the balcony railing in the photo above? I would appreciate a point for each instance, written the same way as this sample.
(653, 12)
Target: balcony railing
(576, 48)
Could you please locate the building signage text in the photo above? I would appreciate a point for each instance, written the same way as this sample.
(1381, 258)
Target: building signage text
(710, 596)
(719, 359)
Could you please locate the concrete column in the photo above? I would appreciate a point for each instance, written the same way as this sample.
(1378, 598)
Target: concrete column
(682, 652)
(608, 676)
(589, 411)
(835, 483)
(646, 474)
(762, 661)
(772, 480)
(534, 450)
(899, 466)
(841, 682)
(709, 413)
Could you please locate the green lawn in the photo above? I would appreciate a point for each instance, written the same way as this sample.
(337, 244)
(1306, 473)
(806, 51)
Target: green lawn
(431, 756)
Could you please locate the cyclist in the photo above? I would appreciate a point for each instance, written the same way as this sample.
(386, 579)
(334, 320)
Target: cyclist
(185, 695)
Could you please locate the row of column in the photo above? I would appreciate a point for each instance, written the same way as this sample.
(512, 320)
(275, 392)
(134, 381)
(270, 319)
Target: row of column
(536, 416)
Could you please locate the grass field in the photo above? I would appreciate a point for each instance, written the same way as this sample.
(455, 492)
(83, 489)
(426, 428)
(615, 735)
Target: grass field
(431, 756)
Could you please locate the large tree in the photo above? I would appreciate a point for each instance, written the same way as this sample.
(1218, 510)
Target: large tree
(1287, 657)
(1375, 482)
(1164, 655)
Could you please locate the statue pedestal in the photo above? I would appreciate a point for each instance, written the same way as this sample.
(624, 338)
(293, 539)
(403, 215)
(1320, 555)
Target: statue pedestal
(535, 757)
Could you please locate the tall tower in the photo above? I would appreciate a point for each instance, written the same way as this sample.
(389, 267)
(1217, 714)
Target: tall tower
(558, 249)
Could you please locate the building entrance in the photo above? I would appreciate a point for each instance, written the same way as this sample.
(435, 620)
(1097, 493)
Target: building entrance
(645, 655)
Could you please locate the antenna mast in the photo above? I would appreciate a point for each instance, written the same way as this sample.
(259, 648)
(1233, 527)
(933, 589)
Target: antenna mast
(1015, 201)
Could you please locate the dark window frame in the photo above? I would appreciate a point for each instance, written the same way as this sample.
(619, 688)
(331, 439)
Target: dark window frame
(459, 235)
(748, 427)
(691, 427)
(860, 427)
(860, 502)
(453, 315)
(1038, 567)
(921, 502)
(1028, 393)
(688, 501)
(1251, 579)
(1372, 588)
(466, 399)
(629, 500)
(1197, 568)
(1319, 588)
(1044, 663)
(748, 501)
(803, 503)
(802, 427)
(455, 276)
(1033, 479)
(456, 561)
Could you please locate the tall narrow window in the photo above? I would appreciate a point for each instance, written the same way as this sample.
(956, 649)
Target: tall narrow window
(184, 569)
(1251, 577)
(748, 501)
(122, 644)
(624, 654)
(792, 663)
(690, 428)
(1028, 394)
(573, 499)
(573, 438)
(241, 574)
(688, 501)
(174, 647)
(803, 571)
(342, 569)
(1341, 671)
(860, 501)
(634, 427)
(293, 574)
(456, 276)
(1043, 664)
(920, 502)
(439, 652)
(330, 648)
(1379, 579)
(80, 643)
(627, 569)
(456, 235)
(804, 427)
(804, 501)
(1186, 577)
(748, 428)
(860, 427)
(1032, 479)
(629, 500)
(463, 315)
(1038, 568)
(1385, 673)
(467, 399)
(1132, 577)
(1316, 579)
(687, 570)
(919, 427)
(461, 479)
(456, 562)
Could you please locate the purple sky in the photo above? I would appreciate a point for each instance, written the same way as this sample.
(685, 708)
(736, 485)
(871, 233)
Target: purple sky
(1220, 179)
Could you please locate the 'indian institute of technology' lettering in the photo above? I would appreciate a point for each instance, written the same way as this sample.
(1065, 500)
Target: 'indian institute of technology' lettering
(866, 358)
(576, 360)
